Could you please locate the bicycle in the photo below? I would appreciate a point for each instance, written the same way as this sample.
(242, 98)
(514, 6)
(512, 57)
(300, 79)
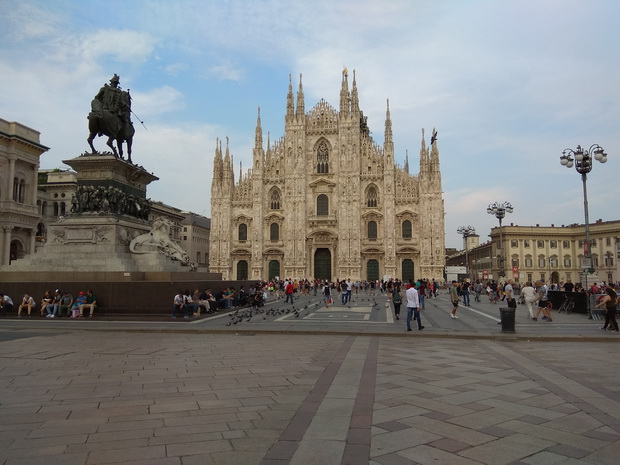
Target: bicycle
(567, 306)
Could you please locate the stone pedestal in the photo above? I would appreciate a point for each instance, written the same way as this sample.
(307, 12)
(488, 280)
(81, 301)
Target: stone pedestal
(95, 236)
(106, 170)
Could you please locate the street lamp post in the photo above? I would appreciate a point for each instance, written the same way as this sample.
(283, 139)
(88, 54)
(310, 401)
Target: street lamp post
(500, 210)
(582, 159)
(466, 231)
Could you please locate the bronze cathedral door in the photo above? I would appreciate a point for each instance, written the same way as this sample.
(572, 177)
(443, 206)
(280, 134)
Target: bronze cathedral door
(323, 264)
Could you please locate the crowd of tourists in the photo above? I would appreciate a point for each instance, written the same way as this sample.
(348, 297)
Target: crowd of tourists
(55, 304)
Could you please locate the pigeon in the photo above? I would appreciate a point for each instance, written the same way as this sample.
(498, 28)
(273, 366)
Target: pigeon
(433, 137)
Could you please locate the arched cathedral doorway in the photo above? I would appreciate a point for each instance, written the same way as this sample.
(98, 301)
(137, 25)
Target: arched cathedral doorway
(323, 264)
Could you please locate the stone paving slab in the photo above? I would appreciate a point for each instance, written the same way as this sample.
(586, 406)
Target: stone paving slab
(178, 398)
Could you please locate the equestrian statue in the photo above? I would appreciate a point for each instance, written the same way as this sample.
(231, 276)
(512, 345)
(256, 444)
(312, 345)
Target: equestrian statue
(110, 116)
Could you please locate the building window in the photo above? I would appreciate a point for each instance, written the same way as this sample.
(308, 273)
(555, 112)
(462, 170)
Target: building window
(372, 230)
(514, 243)
(19, 190)
(553, 244)
(407, 229)
(541, 262)
(56, 209)
(528, 262)
(553, 262)
(566, 244)
(594, 260)
(243, 232)
(540, 244)
(567, 261)
(274, 199)
(322, 159)
(274, 232)
(526, 243)
(242, 270)
(322, 205)
(515, 261)
(371, 197)
(63, 208)
(608, 241)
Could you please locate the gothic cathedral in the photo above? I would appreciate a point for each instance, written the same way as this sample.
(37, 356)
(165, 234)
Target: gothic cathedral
(326, 201)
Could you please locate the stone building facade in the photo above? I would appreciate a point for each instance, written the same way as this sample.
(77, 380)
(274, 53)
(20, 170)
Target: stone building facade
(326, 201)
(548, 253)
(20, 151)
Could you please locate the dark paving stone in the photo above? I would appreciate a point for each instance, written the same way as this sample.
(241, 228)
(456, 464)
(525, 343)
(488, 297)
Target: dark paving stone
(568, 451)
(355, 454)
(392, 426)
(534, 420)
(449, 445)
(437, 415)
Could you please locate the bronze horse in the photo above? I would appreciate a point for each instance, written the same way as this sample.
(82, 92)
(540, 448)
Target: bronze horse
(103, 122)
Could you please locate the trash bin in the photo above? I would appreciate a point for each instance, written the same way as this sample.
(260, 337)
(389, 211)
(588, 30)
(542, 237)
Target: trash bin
(507, 316)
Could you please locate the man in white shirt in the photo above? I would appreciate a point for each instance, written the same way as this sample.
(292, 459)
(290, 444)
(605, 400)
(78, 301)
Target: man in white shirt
(529, 294)
(413, 306)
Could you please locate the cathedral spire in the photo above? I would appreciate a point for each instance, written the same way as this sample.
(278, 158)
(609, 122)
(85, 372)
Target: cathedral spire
(406, 168)
(355, 102)
(290, 101)
(217, 161)
(300, 100)
(434, 156)
(388, 125)
(423, 156)
(345, 97)
(258, 138)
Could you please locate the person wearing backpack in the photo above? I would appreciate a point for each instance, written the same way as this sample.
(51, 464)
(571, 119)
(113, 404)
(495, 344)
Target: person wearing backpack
(397, 300)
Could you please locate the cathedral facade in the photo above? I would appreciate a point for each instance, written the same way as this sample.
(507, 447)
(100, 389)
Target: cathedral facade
(325, 201)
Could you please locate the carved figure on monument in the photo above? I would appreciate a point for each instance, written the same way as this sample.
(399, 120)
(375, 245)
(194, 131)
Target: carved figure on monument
(110, 116)
(159, 238)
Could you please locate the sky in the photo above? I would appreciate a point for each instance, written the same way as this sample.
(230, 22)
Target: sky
(507, 84)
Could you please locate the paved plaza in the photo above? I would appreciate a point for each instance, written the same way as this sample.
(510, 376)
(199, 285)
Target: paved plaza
(344, 385)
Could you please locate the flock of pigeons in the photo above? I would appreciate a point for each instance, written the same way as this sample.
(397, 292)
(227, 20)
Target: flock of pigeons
(246, 314)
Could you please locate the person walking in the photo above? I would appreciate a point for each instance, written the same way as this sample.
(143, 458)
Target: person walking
(477, 290)
(610, 301)
(465, 292)
(413, 306)
(397, 300)
(542, 302)
(529, 295)
(454, 298)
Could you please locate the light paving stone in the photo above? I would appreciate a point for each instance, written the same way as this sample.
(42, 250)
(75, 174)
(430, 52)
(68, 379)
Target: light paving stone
(557, 436)
(390, 442)
(200, 447)
(522, 409)
(448, 430)
(545, 458)
(485, 418)
(576, 423)
(425, 454)
(396, 413)
(118, 444)
(465, 397)
(607, 455)
(61, 459)
(318, 451)
(99, 457)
